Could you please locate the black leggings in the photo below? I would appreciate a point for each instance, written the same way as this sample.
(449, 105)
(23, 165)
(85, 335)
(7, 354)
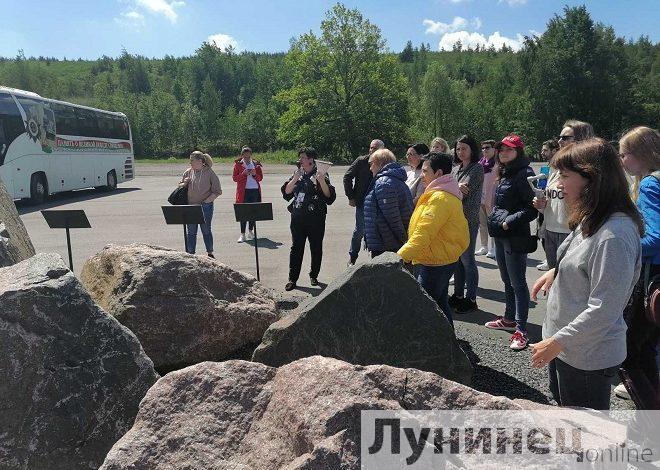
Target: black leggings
(250, 195)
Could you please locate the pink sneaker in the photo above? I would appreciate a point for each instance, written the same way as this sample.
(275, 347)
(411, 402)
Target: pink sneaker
(501, 323)
(518, 340)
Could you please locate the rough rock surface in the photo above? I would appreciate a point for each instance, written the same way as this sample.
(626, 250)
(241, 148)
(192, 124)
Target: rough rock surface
(71, 376)
(375, 313)
(306, 414)
(183, 308)
(15, 243)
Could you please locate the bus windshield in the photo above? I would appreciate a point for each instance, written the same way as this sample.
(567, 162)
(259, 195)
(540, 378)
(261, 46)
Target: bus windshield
(11, 124)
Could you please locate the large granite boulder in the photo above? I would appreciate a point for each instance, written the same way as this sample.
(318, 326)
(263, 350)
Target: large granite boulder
(306, 414)
(375, 313)
(71, 376)
(183, 308)
(15, 243)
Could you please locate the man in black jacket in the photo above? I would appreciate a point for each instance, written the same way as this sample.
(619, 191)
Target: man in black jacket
(356, 182)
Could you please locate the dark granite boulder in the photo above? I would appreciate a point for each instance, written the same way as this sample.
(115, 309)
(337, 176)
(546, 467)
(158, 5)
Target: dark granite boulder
(71, 376)
(375, 313)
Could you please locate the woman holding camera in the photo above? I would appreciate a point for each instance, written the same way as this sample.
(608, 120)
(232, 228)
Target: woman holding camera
(310, 193)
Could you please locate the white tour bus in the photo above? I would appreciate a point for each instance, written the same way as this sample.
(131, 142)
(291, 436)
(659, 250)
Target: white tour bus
(48, 146)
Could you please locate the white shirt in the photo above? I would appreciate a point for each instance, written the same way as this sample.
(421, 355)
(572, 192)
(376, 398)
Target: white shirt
(251, 183)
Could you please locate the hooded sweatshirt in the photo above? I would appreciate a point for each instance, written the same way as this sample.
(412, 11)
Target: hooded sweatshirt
(438, 232)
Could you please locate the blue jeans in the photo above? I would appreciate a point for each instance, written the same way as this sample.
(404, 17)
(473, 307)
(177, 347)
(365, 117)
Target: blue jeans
(576, 387)
(207, 210)
(435, 281)
(466, 269)
(358, 233)
(512, 271)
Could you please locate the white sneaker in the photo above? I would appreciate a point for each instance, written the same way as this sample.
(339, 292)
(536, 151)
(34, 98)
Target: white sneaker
(621, 392)
(241, 239)
(250, 235)
(451, 281)
(490, 254)
(543, 266)
(481, 251)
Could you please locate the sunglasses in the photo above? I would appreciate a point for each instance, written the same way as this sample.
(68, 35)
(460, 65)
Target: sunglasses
(566, 137)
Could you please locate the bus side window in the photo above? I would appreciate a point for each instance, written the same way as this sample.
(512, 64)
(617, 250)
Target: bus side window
(88, 125)
(11, 124)
(106, 128)
(66, 122)
(120, 128)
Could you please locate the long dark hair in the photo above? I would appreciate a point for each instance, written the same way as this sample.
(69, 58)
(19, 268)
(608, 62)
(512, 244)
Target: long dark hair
(501, 167)
(606, 191)
(475, 150)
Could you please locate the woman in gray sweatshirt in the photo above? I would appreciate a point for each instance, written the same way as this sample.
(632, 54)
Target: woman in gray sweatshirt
(584, 334)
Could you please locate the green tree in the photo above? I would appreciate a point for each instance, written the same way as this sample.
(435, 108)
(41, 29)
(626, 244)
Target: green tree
(442, 100)
(576, 69)
(407, 54)
(344, 91)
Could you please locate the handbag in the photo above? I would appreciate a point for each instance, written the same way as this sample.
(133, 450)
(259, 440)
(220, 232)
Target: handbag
(651, 296)
(524, 244)
(640, 389)
(179, 196)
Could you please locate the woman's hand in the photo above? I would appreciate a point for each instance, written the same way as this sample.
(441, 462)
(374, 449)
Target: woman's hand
(464, 188)
(185, 182)
(539, 203)
(545, 351)
(543, 284)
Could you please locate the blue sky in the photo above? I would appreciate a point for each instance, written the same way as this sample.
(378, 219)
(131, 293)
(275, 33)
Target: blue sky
(154, 28)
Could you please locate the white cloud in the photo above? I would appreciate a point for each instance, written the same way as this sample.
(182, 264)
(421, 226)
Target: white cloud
(471, 40)
(131, 18)
(514, 2)
(437, 27)
(221, 41)
(162, 7)
(459, 1)
(476, 22)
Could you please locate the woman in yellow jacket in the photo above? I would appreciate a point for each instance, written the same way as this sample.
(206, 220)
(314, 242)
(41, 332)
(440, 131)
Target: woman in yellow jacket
(438, 231)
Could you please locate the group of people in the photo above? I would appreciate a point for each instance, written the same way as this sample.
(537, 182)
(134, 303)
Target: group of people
(598, 233)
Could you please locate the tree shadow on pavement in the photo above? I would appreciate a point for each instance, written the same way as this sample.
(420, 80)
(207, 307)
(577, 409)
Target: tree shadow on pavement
(69, 197)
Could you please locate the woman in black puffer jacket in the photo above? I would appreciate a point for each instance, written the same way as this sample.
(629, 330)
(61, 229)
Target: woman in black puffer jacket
(508, 224)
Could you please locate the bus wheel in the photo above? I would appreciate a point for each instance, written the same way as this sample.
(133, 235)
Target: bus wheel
(38, 188)
(112, 181)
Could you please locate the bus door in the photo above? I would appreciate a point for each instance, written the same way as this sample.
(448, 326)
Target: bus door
(84, 161)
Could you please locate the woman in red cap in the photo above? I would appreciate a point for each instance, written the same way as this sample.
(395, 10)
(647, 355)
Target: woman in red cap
(509, 225)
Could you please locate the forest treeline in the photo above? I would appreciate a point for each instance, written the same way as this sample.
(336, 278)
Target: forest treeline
(340, 88)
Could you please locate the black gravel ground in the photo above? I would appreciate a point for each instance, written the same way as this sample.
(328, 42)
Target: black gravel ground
(499, 370)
